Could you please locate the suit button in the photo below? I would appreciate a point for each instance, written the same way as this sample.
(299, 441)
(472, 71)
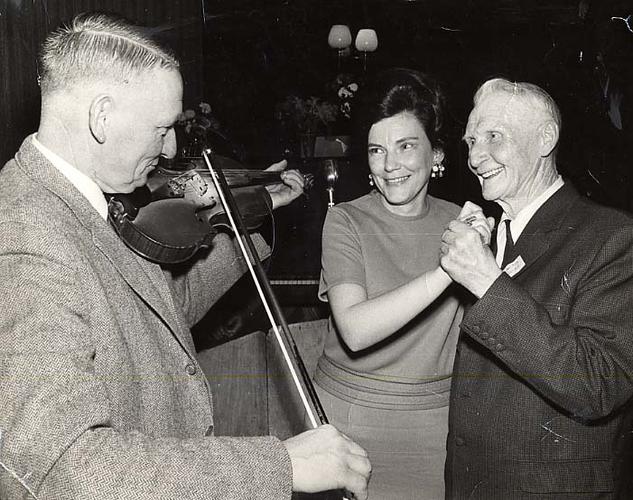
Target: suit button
(499, 347)
(190, 369)
(460, 441)
(209, 431)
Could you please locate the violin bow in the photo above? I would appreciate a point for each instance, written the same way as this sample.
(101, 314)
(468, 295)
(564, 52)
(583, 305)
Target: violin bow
(262, 283)
(288, 347)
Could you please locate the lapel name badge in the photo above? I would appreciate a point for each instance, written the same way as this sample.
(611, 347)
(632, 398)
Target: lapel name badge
(514, 267)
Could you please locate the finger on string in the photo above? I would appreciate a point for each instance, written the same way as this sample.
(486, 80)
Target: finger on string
(280, 165)
(289, 176)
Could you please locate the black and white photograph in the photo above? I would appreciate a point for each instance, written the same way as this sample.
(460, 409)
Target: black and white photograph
(316, 249)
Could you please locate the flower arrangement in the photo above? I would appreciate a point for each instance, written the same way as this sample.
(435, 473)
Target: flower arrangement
(314, 114)
(345, 88)
(193, 122)
(306, 115)
(194, 127)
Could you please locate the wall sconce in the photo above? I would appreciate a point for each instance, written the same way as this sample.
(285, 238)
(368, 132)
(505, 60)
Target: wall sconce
(340, 37)
(366, 41)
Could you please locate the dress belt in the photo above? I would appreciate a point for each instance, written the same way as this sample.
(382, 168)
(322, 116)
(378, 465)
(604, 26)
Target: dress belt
(375, 391)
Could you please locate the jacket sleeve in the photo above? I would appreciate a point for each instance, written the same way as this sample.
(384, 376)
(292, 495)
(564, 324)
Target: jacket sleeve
(57, 439)
(196, 287)
(578, 355)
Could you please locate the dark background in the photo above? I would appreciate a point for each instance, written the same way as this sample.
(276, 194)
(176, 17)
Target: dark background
(244, 56)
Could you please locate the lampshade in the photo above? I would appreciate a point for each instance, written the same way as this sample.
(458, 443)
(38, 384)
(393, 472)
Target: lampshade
(366, 40)
(340, 36)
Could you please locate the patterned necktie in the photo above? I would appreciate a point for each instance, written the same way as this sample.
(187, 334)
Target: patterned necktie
(509, 248)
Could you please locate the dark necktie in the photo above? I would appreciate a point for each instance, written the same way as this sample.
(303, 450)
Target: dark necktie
(509, 248)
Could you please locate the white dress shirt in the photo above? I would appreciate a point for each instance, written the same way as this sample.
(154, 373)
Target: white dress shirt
(81, 181)
(517, 225)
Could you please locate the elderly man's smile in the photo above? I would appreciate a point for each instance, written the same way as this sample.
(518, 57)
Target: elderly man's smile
(491, 173)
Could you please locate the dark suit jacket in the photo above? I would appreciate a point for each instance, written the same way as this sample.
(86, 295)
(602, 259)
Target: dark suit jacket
(543, 377)
(101, 395)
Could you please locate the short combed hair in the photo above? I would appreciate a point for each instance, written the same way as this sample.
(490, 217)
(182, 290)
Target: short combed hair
(98, 47)
(530, 93)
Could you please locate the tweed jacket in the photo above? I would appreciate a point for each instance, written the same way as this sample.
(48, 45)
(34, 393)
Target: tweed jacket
(543, 379)
(101, 393)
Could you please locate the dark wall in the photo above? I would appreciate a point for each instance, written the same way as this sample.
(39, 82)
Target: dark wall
(244, 56)
(257, 55)
(25, 23)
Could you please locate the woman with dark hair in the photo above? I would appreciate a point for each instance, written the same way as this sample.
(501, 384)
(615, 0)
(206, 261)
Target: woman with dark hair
(385, 372)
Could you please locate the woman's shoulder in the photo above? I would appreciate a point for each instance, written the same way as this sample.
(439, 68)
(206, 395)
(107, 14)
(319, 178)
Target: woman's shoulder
(444, 208)
(354, 215)
(358, 206)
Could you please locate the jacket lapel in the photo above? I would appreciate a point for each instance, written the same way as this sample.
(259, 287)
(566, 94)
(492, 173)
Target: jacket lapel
(543, 227)
(144, 278)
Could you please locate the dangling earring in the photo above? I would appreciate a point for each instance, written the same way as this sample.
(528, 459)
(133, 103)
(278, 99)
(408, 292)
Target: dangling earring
(371, 181)
(437, 170)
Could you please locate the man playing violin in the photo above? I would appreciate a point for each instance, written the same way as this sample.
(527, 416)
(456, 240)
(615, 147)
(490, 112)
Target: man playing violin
(102, 396)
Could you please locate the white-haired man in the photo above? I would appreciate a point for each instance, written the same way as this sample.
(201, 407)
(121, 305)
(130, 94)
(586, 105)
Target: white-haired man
(102, 396)
(540, 402)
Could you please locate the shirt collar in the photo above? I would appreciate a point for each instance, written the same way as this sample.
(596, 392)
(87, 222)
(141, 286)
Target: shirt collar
(518, 224)
(84, 184)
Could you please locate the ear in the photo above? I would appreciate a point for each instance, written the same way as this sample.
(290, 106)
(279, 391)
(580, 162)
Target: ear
(100, 108)
(438, 156)
(548, 137)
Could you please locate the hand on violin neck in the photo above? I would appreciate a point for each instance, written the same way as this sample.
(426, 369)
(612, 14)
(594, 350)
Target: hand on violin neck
(324, 459)
(290, 188)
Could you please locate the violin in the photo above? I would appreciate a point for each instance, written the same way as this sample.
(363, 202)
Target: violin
(178, 212)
